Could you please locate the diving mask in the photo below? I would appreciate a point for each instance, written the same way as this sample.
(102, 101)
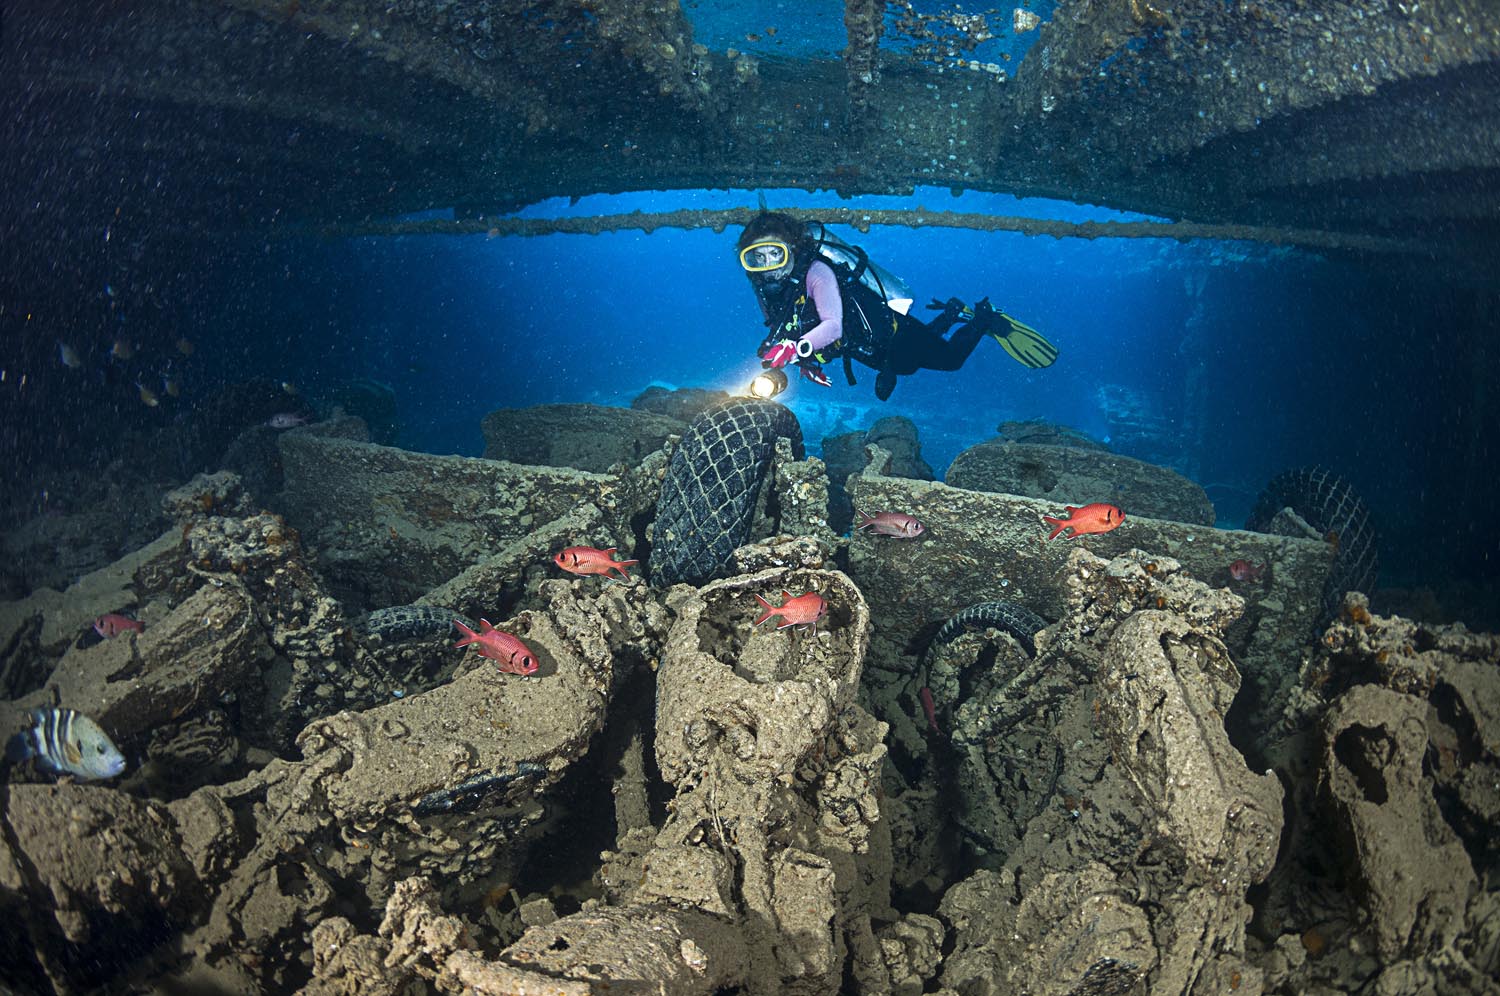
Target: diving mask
(762, 257)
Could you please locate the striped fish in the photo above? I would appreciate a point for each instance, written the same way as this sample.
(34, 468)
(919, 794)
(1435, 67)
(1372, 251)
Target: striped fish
(67, 743)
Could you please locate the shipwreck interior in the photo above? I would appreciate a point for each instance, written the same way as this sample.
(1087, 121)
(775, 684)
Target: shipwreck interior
(1366, 125)
(1187, 765)
(174, 137)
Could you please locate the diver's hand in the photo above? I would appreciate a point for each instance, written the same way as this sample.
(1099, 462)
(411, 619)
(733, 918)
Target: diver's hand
(814, 373)
(953, 306)
(780, 354)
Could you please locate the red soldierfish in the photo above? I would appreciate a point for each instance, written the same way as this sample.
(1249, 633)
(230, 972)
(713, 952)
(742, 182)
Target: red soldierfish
(112, 624)
(804, 610)
(592, 560)
(897, 524)
(513, 655)
(927, 707)
(1095, 518)
(1243, 570)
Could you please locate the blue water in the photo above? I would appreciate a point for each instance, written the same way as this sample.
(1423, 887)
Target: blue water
(811, 29)
(1300, 359)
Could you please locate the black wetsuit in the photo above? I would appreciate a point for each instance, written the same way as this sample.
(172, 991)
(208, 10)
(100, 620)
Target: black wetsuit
(920, 346)
(874, 334)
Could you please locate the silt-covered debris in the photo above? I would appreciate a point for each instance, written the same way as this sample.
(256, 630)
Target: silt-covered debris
(989, 762)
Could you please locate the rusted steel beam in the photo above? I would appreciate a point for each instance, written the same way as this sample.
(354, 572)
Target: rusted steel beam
(864, 220)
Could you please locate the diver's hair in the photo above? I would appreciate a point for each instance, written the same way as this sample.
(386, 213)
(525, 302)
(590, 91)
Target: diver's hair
(773, 225)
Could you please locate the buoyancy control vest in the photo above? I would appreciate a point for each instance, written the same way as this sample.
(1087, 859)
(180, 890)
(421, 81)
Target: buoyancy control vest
(873, 301)
(878, 280)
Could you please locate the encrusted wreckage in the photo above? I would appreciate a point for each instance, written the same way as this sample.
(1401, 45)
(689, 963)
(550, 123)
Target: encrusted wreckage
(348, 805)
(1293, 122)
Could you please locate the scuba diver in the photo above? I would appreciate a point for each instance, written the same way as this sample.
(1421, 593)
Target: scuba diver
(823, 299)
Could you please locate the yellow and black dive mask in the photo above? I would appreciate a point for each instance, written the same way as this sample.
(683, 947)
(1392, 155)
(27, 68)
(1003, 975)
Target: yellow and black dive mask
(761, 257)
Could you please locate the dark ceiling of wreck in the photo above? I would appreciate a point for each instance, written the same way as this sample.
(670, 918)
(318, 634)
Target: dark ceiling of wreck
(1355, 116)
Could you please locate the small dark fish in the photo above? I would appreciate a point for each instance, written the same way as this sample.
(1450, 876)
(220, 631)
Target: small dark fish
(112, 624)
(929, 709)
(1243, 570)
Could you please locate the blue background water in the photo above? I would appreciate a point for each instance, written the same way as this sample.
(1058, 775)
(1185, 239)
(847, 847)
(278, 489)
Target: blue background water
(1298, 359)
(805, 29)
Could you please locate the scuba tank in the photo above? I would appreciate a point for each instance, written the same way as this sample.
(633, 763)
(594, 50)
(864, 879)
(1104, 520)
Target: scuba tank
(891, 288)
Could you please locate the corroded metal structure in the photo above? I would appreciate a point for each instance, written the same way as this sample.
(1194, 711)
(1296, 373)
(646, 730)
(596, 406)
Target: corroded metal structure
(1365, 117)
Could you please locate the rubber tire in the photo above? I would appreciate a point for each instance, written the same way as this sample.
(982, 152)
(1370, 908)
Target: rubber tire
(1017, 620)
(400, 623)
(707, 502)
(1328, 504)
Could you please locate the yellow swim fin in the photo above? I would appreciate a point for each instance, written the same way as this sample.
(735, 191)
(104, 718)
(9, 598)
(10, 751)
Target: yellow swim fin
(1025, 344)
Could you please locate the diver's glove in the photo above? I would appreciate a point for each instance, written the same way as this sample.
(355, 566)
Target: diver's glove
(951, 308)
(814, 373)
(780, 354)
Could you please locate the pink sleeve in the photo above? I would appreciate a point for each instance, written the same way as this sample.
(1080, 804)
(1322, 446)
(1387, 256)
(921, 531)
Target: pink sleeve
(823, 288)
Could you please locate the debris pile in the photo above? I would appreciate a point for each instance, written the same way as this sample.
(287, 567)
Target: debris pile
(970, 757)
